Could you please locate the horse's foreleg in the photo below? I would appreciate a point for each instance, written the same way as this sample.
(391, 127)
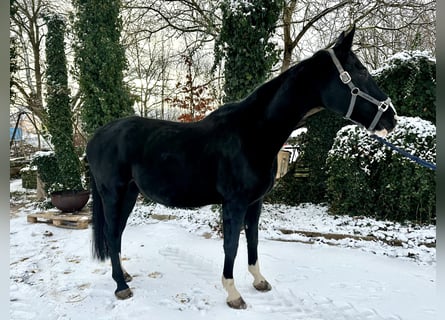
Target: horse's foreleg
(251, 228)
(233, 215)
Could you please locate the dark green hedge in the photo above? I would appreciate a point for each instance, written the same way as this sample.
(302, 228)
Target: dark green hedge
(29, 178)
(409, 78)
(49, 171)
(367, 178)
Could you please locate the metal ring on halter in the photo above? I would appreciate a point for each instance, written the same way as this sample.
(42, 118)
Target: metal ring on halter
(383, 106)
(355, 91)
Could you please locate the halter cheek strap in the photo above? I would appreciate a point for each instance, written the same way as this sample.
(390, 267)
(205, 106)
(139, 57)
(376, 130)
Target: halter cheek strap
(382, 106)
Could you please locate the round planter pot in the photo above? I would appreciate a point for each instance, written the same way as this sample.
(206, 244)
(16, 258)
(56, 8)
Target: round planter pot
(70, 201)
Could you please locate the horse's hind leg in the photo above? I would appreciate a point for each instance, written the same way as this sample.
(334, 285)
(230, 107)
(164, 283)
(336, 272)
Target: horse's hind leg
(251, 228)
(117, 207)
(112, 234)
(233, 216)
(127, 205)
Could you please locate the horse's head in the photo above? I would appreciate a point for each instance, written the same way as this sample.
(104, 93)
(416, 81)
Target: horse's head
(352, 92)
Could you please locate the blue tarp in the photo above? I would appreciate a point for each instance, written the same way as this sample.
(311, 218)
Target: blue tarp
(18, 134)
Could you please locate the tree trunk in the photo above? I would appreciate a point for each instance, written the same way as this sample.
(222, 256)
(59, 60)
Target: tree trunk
(288, 45)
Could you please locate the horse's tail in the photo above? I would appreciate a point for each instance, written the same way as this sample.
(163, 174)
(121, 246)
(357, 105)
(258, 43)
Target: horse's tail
(100, 246)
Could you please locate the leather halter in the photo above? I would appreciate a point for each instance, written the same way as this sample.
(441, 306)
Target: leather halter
(382, 106)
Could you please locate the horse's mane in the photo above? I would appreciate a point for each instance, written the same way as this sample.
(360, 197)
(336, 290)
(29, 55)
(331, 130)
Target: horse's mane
(261, 95)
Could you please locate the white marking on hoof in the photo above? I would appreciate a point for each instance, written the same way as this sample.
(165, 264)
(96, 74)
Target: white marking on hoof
(259, 282)
(234, 299)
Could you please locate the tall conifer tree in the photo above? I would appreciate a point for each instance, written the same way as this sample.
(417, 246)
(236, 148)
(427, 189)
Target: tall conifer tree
(244, 44)
(60, 121)
(100, 61)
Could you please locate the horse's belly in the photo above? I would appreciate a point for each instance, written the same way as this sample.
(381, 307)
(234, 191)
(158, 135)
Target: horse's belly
(179, 191)
(183, 198)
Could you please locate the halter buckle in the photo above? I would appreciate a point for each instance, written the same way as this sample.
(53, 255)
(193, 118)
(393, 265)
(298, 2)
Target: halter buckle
(345, 77)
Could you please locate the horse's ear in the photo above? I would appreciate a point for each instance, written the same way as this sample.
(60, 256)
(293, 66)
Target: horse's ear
(344, 42)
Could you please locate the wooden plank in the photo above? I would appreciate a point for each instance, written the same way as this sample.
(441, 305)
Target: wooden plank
(329, 236)
(337, 236)
(71, 221)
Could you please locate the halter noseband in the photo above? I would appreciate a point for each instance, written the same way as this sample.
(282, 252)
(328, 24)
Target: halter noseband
(382, 106)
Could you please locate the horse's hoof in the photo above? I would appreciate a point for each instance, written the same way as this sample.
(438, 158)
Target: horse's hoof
(263, 286)
(124, 294)
(237, 304)
(127, 277)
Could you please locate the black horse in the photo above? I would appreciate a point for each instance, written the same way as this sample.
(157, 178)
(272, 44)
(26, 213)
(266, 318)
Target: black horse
(229, 157)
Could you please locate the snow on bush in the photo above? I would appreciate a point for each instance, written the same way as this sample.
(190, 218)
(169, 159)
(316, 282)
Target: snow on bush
(409, 78)
(403, 56)
(367, 178)
(414, 135)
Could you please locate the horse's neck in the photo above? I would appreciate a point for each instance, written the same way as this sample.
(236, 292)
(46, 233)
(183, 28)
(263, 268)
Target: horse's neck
(281, 104)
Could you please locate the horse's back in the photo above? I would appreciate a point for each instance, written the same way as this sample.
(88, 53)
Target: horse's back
(172, 163)
(124, 137)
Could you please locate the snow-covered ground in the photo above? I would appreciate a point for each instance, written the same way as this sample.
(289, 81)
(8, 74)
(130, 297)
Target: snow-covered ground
(320, 267)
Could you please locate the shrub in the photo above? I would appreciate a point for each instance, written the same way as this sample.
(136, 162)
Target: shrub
(367, 178)
(29, 177)
(321, 130)
(286, 189)
(47, 169)
(409, 78)
(49, 172)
